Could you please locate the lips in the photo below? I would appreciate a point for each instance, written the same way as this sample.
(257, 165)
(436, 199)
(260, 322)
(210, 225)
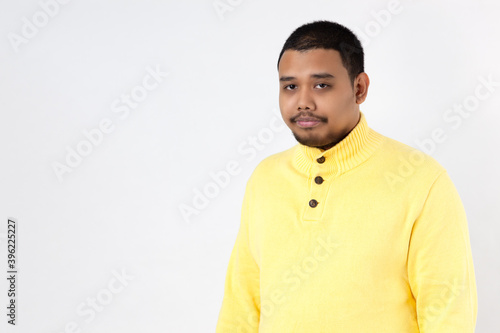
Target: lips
(307, 122)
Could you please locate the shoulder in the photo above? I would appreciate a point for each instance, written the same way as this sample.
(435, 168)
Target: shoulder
(408, 165)
(272, 165)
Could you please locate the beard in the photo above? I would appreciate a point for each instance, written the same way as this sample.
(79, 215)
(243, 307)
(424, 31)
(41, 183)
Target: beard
(313, 141)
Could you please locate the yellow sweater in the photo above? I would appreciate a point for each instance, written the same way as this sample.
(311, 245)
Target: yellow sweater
(369, 236)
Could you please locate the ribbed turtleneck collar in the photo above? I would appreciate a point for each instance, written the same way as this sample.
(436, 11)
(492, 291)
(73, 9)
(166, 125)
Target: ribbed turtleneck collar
(351, 151)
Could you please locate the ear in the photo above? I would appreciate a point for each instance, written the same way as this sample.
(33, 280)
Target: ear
(361, 84)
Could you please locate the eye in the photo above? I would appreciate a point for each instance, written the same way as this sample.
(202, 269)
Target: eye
(291, 86)
(323, 84)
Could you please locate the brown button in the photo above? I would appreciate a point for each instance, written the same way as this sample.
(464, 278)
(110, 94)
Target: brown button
(321, 159)
(313, 203)
(318, 180)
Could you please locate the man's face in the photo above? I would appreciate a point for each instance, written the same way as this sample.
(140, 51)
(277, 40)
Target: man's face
(315, 87)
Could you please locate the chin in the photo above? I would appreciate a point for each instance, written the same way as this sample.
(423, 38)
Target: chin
(312, 142)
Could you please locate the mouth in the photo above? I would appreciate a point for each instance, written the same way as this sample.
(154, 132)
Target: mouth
(307, 122)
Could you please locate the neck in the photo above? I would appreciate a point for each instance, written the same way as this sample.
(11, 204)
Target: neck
(342, 156)
(331, 144)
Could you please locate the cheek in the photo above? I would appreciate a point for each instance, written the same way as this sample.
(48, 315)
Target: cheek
(281, 101)
(284, 109)
(284, 98)
(337, 99)
(286, 104)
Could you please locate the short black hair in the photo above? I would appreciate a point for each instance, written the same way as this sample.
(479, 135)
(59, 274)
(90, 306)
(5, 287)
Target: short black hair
(328, 35)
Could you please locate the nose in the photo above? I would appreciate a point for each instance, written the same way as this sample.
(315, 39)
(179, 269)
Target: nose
(305, 100)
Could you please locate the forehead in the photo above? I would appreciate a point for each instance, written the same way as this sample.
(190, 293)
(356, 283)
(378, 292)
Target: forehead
(315, 60)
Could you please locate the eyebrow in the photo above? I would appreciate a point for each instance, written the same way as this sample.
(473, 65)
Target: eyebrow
(314, 76)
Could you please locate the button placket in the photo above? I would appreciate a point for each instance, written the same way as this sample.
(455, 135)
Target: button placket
(317, 192)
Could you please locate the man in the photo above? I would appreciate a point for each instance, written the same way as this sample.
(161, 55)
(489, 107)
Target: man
(349, 230)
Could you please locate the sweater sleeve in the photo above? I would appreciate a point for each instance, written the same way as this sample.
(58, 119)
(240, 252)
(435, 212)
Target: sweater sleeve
(440, 266)
(240, 311)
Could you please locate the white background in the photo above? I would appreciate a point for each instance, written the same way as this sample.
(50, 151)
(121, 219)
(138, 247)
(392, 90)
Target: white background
(118, 210)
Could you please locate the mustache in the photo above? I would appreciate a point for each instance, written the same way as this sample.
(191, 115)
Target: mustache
(307, 115)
